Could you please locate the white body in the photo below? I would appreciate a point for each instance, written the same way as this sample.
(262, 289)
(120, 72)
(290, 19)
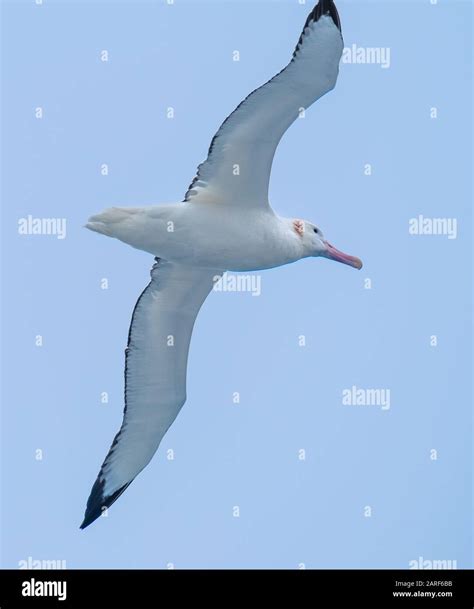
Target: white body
(206, 235)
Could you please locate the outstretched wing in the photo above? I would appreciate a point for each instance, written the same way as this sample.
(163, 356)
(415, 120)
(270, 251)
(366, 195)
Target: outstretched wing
(237, 169)
(155, 375)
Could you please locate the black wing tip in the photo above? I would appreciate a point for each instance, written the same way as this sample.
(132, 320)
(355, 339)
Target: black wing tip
(97, 501)
(324, 7)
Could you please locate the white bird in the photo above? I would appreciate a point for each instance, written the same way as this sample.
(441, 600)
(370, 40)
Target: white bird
(225, 223)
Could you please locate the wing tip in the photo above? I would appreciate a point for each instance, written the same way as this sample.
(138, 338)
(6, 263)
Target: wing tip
(324, 8)
(97, 501)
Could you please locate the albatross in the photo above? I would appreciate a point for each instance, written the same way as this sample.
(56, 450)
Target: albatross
(225, 223)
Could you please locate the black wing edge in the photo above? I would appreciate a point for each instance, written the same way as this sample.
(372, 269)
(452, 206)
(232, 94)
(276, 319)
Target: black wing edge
(324, 7)
(97, 501)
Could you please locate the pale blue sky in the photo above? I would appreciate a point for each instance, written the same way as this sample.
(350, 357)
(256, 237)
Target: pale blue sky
(245, 455)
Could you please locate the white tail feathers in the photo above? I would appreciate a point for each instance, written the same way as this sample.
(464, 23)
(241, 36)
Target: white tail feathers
(106, 222)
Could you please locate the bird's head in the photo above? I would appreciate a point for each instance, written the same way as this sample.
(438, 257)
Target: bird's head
(315, 244)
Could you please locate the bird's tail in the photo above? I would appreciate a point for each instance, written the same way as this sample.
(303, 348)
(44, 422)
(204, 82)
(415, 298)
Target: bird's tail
(108, 221)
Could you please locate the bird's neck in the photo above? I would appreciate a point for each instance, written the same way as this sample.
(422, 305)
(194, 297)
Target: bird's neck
(291, 240)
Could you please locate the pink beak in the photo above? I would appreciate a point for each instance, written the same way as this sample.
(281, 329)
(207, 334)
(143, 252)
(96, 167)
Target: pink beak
(335, 254)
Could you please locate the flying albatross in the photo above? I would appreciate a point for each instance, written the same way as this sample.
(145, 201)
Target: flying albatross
(225, 223)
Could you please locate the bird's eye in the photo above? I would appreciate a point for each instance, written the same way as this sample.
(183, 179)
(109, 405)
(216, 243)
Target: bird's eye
(316, 230)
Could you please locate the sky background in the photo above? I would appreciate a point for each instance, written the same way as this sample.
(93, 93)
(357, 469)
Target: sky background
(293, 512)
